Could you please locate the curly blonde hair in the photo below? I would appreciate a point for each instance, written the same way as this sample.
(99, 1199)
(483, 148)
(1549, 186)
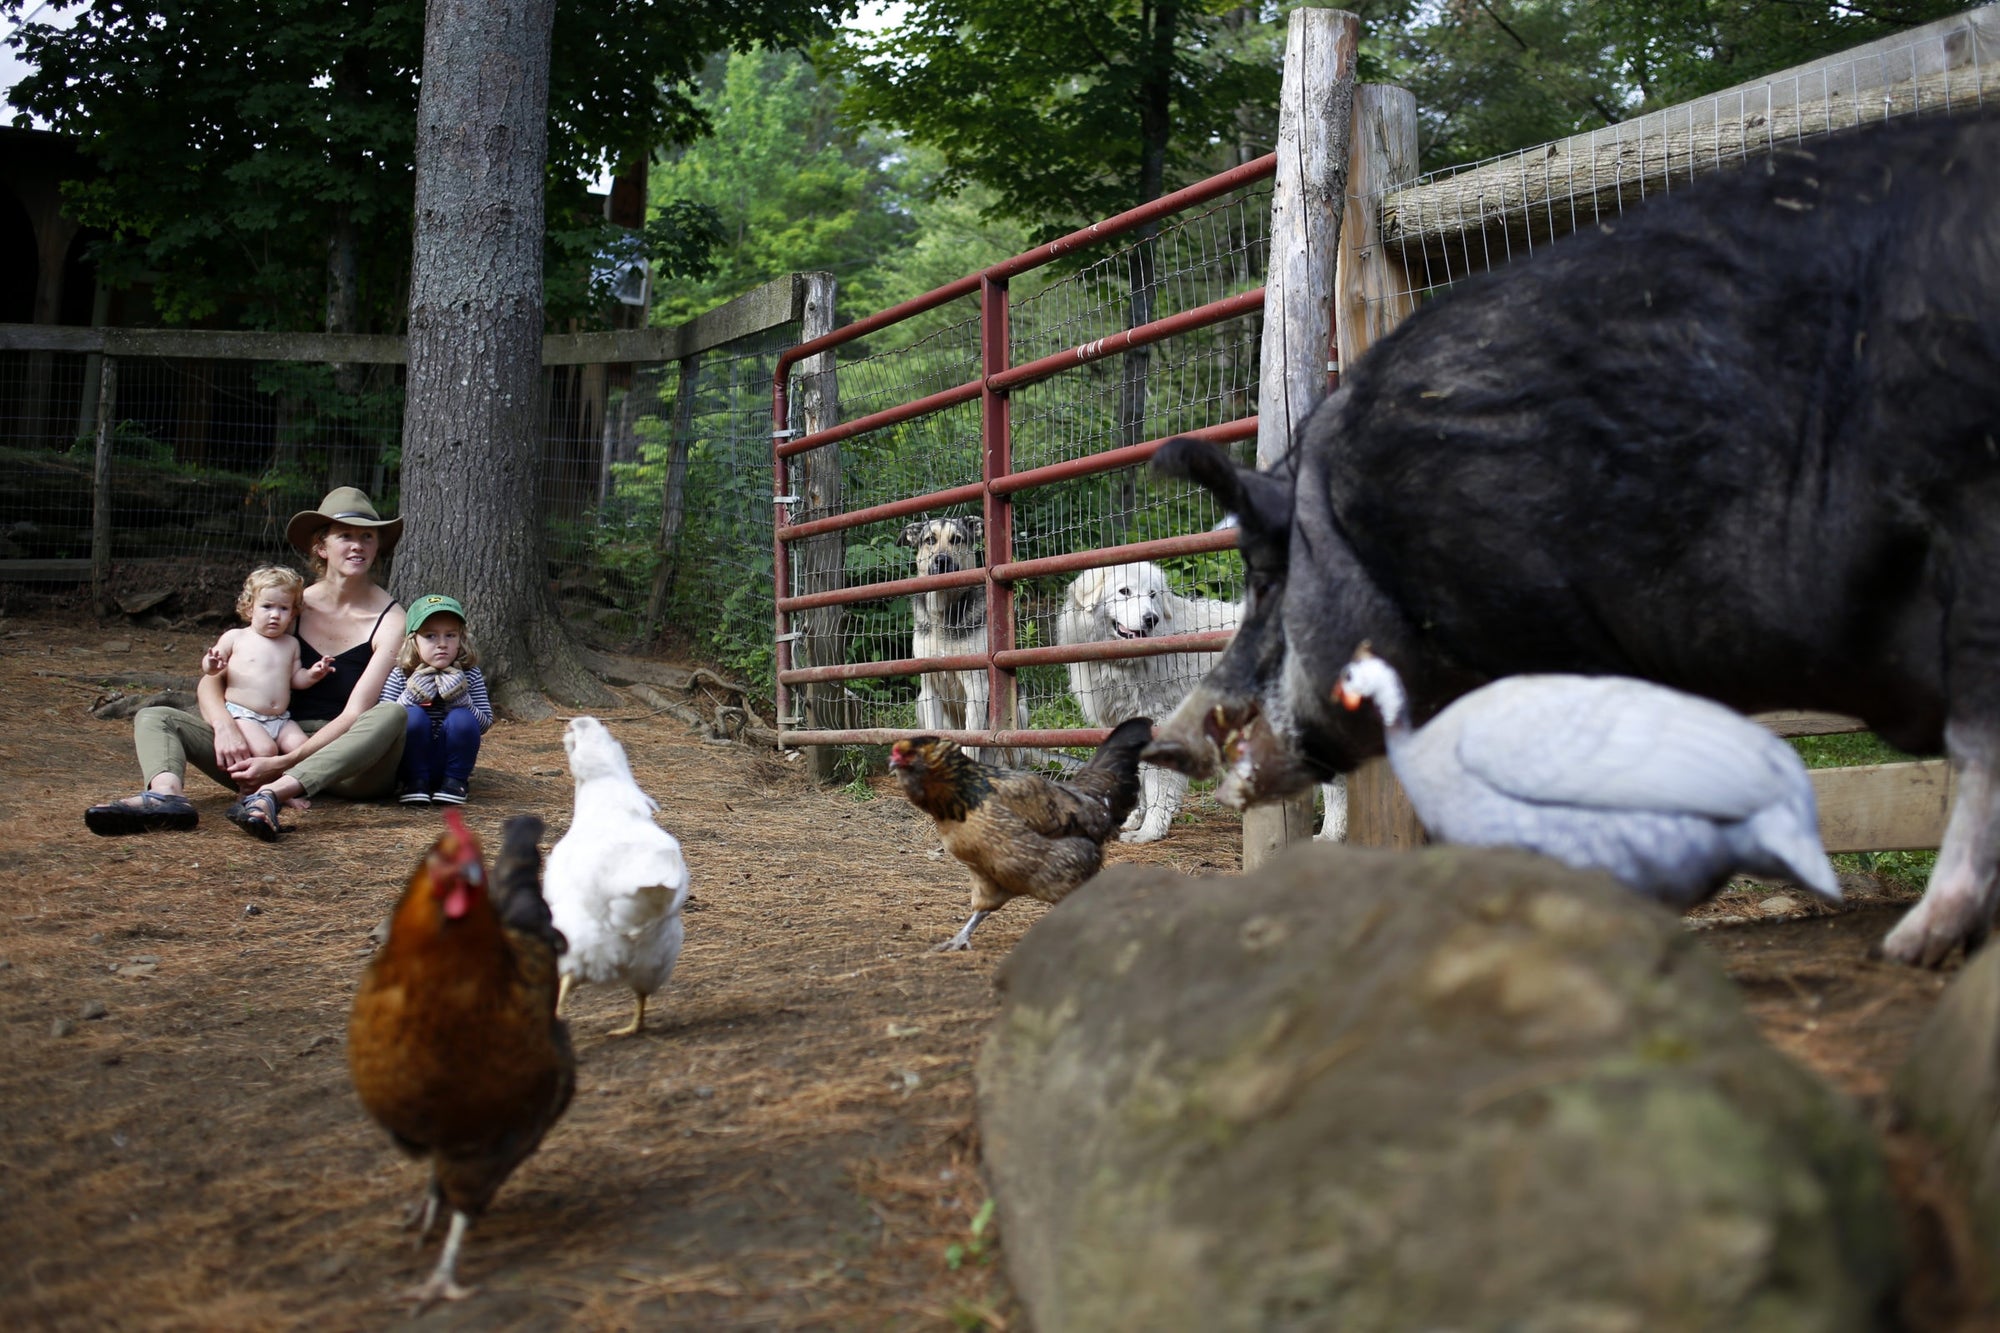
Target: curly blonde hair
(468, 656)
(271, 576)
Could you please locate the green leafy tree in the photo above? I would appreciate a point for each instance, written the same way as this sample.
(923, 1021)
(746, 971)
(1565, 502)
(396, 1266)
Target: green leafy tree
(1492, 76)
(787, 188)
(255, 158)
(1066, 112)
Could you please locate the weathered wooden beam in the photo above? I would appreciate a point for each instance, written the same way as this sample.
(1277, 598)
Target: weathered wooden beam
(1308, 196)
(1462, 221)
(778, 302)
(1884, 807)
(100, 483)
(76, 569)
(1809, 724)
(1371, 298)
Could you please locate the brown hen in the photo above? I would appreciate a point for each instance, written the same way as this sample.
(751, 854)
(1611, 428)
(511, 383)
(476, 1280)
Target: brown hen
(453, 1043)
(1022, 833)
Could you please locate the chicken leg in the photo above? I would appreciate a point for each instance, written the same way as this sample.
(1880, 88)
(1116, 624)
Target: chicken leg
(963, 940)
(638, 1017)
(443, 1284)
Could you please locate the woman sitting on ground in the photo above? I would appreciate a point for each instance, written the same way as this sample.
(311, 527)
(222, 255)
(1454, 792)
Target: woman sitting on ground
(353, 743)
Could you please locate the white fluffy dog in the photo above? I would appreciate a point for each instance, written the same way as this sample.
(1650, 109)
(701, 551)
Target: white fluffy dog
(1135, 601)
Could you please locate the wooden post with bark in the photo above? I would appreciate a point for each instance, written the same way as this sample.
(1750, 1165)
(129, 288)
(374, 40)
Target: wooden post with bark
(673, 496)
(817, 561)
(1373, 295)
(1315, 115)
(100, 484)
(472, 425)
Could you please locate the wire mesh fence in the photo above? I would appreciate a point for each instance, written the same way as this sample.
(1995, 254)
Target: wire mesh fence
(1451, 224)
(205, 457)
(876, 525)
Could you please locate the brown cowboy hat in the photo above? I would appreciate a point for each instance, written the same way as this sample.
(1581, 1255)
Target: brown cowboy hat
(343, 504)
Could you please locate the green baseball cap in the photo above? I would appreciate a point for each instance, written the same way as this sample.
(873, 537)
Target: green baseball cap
(429, 605)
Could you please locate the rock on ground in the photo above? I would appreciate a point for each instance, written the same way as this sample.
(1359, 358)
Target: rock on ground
(1949, 1088)
(1440, 1090)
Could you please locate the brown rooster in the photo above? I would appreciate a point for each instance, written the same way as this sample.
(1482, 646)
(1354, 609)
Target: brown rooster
(1022, 833)
(454, 1044)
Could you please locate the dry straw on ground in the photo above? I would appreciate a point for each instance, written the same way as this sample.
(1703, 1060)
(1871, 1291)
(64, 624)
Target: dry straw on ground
(791, 1144)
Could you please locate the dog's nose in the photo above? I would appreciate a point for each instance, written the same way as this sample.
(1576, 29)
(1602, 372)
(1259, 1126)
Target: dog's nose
(1152, 618)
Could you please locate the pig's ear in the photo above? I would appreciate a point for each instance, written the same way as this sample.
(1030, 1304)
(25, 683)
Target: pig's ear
(1261, 501)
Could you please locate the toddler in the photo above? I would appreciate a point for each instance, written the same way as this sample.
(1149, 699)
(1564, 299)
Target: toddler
(259, 664)
(440, 687)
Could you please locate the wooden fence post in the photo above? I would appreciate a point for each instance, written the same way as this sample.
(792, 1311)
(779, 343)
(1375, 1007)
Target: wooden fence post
(673, 496)
(100, 502)
(1315, 114)
(1373, 296)
(817, 561)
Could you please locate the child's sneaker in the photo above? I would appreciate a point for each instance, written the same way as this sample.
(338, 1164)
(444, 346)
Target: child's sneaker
(450, 792)
(408, 797)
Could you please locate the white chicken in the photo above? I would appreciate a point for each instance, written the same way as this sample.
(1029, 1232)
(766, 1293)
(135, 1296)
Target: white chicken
(616, 882)
(1668, 792)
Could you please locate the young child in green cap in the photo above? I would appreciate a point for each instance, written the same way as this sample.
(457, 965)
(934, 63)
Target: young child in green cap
(438, 682)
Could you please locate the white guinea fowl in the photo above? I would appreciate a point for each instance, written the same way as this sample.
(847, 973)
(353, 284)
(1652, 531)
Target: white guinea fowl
(1670, 793)
(616, 882)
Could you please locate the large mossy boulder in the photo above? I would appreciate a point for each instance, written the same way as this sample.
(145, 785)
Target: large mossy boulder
(1442, 1090)
(1949, 1087)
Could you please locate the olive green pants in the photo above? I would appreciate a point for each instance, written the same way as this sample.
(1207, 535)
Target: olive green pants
(360, 765)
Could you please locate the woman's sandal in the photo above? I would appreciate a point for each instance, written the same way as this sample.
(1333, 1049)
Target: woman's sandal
(256, 814)
(144, 813)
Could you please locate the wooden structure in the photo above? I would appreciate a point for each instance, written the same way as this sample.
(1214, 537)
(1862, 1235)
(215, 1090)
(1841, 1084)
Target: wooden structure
(1398, 240)
(1315, 115)
(776, 304)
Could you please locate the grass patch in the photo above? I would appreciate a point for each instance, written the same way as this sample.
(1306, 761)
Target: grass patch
(1904, 871)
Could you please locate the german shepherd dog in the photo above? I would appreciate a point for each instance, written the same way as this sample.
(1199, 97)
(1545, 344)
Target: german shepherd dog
(949, 622)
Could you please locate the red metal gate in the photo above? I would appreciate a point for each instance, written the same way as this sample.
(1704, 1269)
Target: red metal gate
(996, 491)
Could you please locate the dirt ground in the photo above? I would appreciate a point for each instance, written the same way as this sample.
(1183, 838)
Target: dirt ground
(791, 1144)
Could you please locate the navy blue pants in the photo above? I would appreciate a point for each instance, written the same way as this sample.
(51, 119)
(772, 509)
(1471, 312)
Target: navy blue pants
(435, 749)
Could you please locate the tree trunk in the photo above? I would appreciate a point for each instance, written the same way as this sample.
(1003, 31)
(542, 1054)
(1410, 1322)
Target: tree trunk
(472, 423)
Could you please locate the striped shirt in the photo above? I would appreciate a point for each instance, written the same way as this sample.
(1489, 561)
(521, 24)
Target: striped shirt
(473, 698)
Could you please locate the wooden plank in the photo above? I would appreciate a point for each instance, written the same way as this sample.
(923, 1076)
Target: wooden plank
(1378, 813)
(816, 562)
(1546, 191)
(1884, 807)
(75, 570)
(100, 483)
(1308, 197)
(1371, 287)
(777, 303)
(1789, 723)
(780, 301)
(1371, 299)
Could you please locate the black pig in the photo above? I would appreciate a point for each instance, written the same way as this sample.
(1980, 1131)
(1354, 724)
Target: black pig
(1741, 441)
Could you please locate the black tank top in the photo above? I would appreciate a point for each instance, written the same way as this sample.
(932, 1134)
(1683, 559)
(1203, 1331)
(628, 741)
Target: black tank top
(324, 701)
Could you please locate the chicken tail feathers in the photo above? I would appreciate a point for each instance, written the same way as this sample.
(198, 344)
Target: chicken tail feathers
(1114, 769)
(1119, 754)
(1791, 835)
(516, 887)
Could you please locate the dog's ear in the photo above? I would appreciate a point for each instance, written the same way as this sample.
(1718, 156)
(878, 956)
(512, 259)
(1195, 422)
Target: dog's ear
(1088, 588)
(913, 533)
(975, 530)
